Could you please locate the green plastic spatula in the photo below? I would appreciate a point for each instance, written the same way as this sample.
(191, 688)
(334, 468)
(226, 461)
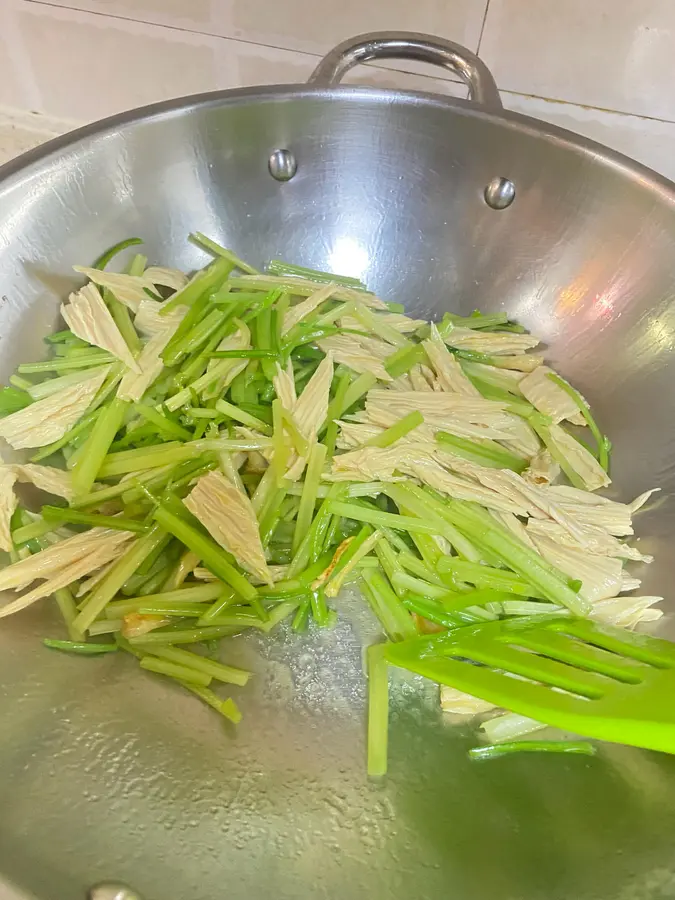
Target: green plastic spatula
(611, 684)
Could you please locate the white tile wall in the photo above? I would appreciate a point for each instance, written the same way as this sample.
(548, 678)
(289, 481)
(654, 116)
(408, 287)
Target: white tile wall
(602, 68)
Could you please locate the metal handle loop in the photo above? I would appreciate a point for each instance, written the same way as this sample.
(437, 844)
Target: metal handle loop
(408, 45)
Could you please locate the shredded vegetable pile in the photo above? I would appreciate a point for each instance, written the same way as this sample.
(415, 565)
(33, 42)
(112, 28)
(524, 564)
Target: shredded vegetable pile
(227, 451)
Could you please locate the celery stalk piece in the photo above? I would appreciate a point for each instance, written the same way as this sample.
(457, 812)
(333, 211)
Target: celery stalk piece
(167, 427)
(206, 281)
(278, 267)
(227, 708)
(487, 577)
(217, 250)
(376, 326)
(111, 252)
(493, 751)
(58, 514)
(232, 412)
(30, 532)
(419, 567)
(602, 442)
(66, 604)
(389, 560)
(393, 616)
(301, 617)
(174, 670)
(378, 710)
(310, 490)
(431, 510)
(81, 647)
(96, 447)
(199, 593)
(184, 635)
(93, 357)
(376, 517)
(125, 566)
(122, 318)
(434, 611)
(403, 581)
(212, 555)
(357, 389)
(484, 453)
(479, 526)
(197, 663)
(397, 431)
(403, 359)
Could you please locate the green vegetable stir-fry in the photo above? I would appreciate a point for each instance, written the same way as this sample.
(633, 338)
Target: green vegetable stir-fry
(227, 451)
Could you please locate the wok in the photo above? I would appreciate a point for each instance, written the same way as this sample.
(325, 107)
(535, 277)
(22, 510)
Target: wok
(442, 204)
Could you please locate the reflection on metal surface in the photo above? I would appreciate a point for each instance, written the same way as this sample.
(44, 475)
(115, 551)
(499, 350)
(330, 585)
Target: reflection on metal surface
(282, 165)
(422, 47)
(111, 890)
(133, 777)
(500, 193)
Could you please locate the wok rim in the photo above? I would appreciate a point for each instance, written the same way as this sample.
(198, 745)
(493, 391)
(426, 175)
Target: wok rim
(26, 163)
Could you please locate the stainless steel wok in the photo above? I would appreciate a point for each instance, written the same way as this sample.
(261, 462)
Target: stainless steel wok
(443, 204)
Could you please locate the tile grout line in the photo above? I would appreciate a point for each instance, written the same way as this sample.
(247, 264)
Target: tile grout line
(482, 27)
(585, 106)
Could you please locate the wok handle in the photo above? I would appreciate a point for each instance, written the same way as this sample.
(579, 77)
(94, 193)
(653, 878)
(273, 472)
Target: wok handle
(409, 45)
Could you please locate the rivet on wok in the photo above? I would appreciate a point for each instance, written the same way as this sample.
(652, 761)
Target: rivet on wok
(500, 193)
(282, 165)
(112, 890)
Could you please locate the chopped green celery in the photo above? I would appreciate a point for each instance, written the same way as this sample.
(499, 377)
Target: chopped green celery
(68, 609)
(59, 337)
(205, 282)
(122, 319)
(90, 463)
(174, 350)
(81, 647)
(29, 532)
(227, 708)
(197, 663)
(282, 451)
(401, 361)
(203, 330)
(271, 515)
(211, 554)
(109, 254)
(299, 441)
(334, 411)
(378, 710)
(105, 626)
(476, 320)
(379, 518)
(602, 442)
(267, 300)
(393, 616)
(431, 510)
(319, 608)
(200, 384)
(337, 312)
(125, 461)
(492, 751)
(173, 670)
(356, 390)
(317, 457)
(13, 399)
(278, 267)
(515, 405)
(185, 610)
(301, 617)
(487, 577)
(184, 635)
(371, 322)
(225, 599)
(61, 364)
(397, 431)
(227, 297)
(484, 452)
(334, 535)
(314, 534)
(59, 514)
(217, 250)
(132, 490)
(110, 584)
(417, 566)
(544, 433)
(390, 563)
(201, 593)
(435, 612)
(481, 528)
(233, 412)
(165, 425)
(403, 581)
(244, 354)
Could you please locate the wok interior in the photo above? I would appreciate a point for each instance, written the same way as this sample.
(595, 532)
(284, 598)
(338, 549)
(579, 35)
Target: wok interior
(108, 775)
